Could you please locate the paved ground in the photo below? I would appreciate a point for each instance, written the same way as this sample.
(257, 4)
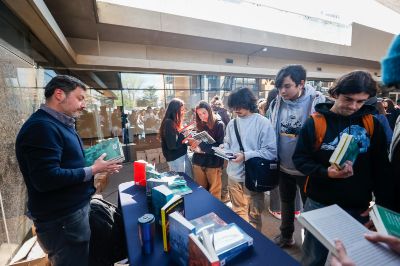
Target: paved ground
(270, 224)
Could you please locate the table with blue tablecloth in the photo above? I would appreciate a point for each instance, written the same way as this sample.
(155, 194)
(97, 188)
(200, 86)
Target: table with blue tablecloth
(132, 200)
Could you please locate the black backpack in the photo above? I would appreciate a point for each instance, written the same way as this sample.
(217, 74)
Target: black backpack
(107, 241)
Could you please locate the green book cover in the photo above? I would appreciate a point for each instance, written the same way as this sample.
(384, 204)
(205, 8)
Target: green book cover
(351, 153)
(112, 147)
(390, 220)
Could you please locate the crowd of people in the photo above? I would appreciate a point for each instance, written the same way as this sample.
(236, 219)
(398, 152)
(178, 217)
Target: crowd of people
(301, 127)
(296, 125)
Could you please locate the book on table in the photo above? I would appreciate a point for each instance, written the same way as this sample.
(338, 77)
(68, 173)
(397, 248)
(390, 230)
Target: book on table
(199, 254)
(332, 222)
(230, 241)
(386, 221)
(175, 204)
(209, 221)
(160, 195)
(112, 147)
(346, 150)
(223, 153)
(179, 230)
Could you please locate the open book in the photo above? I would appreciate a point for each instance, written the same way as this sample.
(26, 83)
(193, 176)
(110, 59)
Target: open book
(223, 153)
(332, 222)
(346, 150)
(386, 221)
(202, 136)
(112, 147)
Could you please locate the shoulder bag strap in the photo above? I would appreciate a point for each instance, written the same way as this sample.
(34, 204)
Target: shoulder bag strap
(237, 134)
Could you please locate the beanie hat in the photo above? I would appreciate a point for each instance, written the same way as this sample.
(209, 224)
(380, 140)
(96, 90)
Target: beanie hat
(391, 63)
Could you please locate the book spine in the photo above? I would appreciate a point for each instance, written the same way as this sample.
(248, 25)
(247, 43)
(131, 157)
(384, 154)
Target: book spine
(164, 230)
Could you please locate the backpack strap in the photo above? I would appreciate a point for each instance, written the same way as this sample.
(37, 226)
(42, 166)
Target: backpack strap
(368, 122)
(320, 128)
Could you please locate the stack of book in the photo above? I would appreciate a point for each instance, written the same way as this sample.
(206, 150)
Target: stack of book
(207, 240)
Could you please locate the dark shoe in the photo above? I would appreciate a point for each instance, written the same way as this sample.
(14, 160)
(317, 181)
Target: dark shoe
(284, 242)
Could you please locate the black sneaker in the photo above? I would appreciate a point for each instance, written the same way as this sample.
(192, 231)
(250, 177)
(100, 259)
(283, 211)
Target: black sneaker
(284, 242)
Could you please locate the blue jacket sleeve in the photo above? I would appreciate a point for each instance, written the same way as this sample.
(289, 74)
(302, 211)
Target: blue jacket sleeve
(42, 150)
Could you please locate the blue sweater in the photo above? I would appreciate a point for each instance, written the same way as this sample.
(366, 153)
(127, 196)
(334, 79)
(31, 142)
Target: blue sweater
(51, 159)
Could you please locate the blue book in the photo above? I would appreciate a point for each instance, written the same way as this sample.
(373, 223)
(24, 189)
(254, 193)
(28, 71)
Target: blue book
(229, 241)
(179, 230)
(159, 197)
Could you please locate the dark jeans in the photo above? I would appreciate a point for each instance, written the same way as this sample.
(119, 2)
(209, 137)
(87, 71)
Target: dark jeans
(66, 240)
(314, 253)
(287, 190)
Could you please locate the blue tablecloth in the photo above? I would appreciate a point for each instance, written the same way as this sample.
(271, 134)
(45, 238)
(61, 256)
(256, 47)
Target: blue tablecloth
(132, 200)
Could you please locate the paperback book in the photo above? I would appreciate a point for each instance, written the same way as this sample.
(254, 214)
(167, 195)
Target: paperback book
(223, 153)
(209, 221)
(346, 150)
(175, 204)
(199, 255)
(160, 195)
(179, 230)
(202, 136)
(112, 147)
(386, 221)
(229, 241)
(344, 227)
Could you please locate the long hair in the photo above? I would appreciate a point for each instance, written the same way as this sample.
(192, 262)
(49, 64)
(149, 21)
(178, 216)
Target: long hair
(173, 112)
(211, 116)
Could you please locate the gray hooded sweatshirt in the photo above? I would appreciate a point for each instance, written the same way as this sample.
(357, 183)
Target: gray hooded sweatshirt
(258, 140)
(287, 118)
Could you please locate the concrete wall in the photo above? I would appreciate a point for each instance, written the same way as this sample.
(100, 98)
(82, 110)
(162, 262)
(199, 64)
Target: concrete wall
(135, 57)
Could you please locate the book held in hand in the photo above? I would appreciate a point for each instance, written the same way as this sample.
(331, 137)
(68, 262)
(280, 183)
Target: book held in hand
(332, 222)
(386, 221)
(346, 150)
(202, 136)
(112, 147)
(223, 153)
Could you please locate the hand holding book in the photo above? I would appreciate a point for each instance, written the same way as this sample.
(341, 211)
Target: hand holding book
(100, 165)
(346, 171)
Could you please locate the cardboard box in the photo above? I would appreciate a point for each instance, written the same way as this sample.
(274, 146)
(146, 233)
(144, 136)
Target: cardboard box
(30, 254)
(101, 182)
(153, 158)
(151, 151)
(162, 158)
(141, 155)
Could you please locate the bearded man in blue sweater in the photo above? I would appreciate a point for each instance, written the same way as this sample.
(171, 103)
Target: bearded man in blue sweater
(50, 156)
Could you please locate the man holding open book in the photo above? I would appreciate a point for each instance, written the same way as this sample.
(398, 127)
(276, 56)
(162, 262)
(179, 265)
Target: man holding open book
(351, 185)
